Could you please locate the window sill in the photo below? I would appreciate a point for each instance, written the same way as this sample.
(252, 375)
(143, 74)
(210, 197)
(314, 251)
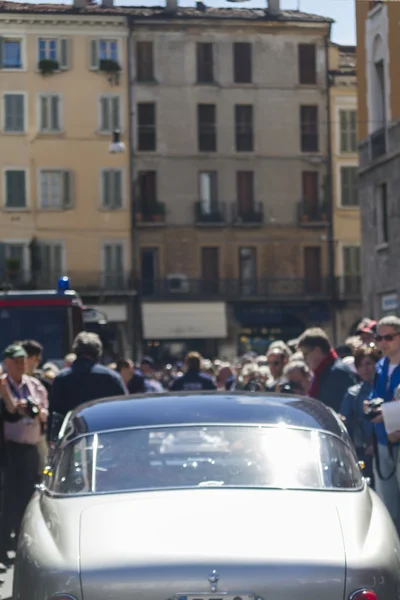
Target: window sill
(146, 81)
(382, 247)
(51, 133)
(10, 209)
(13, 69)
(108, 133)
(107, 210)
(14, 133)
(55, 209)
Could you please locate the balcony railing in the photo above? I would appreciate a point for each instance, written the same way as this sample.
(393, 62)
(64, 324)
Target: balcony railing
(248, 216)
(212, 215)
(152, 212)
(312, 215)
(378, 143)
(233, 289)
(84, 282)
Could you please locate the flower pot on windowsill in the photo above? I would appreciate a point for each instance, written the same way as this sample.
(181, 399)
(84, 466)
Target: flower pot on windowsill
(112, 68)
(48, 66)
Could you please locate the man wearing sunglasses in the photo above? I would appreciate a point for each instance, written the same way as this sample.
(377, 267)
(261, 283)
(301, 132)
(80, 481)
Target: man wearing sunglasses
(387, 380)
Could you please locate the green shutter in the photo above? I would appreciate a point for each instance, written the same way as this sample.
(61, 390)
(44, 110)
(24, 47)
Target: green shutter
(64, 54)
(117, 190)
(94, 55)
(44, 125)
(353, 131)
(343, 131)
(106, 185)
(104, 114)
(55, 113)
(115, 113)
(67, 190)
(1, 52)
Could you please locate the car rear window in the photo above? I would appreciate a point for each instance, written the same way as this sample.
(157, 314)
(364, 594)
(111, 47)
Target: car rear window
(205, 456)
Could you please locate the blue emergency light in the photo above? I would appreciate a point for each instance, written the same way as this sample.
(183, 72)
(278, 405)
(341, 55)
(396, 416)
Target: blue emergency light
(63, 284)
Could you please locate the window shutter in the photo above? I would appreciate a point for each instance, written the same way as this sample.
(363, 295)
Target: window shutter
(64, 58)
(56, 260)
(44, 124)
(106, 184)
(8, 112)
(55, 113)
(67, 189)
(353, 131)
(345, 186)
(19, 112)
(94, 55)
(119, 260)
(116, 124)
(117, 190)
(104, 115)
(343, 131)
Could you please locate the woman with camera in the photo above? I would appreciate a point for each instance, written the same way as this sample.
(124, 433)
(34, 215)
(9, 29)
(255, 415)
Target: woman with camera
(24, 409)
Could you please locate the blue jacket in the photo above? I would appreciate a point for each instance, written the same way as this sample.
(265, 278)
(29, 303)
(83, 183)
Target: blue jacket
(193, 381)
(359, 428)
(382, 390)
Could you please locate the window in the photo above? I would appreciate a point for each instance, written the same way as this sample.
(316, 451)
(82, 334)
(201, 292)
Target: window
(351, 256)
(10, 53)
(309, 128)
(147, 181)
(113, 265)
(110, 114)
(17, 253)
(348, 186)
(55, 189)
(312, 260)
(149, 269)
(382, 215)
(245, 192)
(111, 189)
(51, 260)
(15, 189)
(244, 127)
(208, 183)
(242, 63)
(206, 127)
(307, 64)
(348, 130)
(54, 49)
(151, 459)
(310, 199)
(144, 61)
(14, 113)
(205, 63)
(146, 126)
(50, 113)
(102, 50)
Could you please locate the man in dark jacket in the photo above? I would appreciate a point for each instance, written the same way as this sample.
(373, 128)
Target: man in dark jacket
(85, 380)
(193, 379)
(331, 377)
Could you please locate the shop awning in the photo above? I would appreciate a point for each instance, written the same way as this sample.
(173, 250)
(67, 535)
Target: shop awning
(184, 320)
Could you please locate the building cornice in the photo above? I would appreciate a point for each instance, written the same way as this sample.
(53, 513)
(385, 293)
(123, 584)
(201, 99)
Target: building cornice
(39, 20)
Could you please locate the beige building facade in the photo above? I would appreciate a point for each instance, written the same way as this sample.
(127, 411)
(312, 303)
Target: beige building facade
(345, 198)
(230, 166)
(64, 199)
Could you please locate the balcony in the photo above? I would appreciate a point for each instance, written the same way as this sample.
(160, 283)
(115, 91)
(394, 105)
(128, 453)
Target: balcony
(349, 287)
(253, 216)
(312, 215)
(84, 282)
(209, 216)
(234, 289)
(150, 213)
(378, 143)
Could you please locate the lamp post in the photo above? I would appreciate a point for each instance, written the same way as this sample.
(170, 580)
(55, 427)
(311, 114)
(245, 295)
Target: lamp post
(116, 146)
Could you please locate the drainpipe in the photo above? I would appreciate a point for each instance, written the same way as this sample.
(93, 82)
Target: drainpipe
(330, 198)
(135, 304)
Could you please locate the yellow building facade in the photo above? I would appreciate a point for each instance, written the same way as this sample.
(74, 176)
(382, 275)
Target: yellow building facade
(344, 164)
(64, 197)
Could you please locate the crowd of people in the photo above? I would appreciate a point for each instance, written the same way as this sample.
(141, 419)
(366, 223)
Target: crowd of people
(36, 397)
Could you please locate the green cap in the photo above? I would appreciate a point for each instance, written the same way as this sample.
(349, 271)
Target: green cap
(14, 351)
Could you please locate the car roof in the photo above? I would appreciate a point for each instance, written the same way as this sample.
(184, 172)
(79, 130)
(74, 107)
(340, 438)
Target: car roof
(203, 407)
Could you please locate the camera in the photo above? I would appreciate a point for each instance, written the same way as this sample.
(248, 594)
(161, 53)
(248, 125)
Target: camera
(32, 408)
(373, 410)
(290, 388)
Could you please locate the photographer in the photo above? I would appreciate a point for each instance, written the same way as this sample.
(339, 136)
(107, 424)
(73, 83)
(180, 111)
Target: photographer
(24, 399)
(386, 381)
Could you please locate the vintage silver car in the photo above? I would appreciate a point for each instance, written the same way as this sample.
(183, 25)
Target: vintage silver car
(210, 496)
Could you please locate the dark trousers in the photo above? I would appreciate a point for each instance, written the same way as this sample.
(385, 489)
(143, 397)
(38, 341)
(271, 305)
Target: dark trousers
(20, 476)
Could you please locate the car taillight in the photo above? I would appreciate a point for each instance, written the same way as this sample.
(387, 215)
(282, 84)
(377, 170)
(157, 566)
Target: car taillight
(363, 595)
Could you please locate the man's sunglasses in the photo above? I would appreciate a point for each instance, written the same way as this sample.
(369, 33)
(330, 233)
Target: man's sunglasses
(389, 337)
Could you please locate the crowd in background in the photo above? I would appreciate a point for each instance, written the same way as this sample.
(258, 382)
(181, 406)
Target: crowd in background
(36, 397)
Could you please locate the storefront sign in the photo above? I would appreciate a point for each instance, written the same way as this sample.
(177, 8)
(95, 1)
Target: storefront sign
(184, 320)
